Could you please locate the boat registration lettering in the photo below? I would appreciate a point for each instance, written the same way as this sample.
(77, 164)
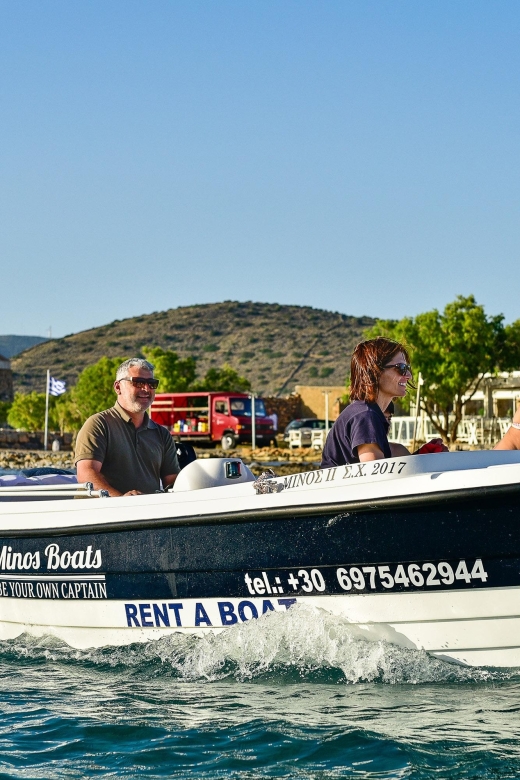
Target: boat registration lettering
(377, 468)
(383, 467)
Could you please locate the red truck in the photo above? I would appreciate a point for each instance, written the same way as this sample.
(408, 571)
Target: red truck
(212, 417)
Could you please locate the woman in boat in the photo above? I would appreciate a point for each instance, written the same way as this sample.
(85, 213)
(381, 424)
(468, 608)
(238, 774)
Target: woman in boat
(379, 372)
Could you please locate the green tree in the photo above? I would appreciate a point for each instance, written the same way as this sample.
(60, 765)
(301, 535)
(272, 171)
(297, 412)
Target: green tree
(224, 379)
(27, 412)
(4, 411)
(511, 351)
(93, 392)
(175, 374)
(453, 350)
(66, 413)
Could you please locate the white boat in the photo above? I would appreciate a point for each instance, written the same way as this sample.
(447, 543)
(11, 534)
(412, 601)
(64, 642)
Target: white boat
(424, 551)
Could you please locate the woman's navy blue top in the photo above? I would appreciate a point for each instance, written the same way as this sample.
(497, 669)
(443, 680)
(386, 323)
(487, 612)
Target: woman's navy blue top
(360, 423)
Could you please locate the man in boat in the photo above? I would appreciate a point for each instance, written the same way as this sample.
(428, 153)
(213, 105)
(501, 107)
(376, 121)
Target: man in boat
(121, 449)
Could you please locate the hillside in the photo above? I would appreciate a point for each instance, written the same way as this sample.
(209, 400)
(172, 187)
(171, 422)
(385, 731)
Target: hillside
(13, 345)
(274, 346)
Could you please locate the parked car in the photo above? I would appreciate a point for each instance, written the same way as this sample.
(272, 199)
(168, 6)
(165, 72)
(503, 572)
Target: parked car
(306, 425)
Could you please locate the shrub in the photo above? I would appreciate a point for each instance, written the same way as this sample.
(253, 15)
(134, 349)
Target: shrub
(325, 372)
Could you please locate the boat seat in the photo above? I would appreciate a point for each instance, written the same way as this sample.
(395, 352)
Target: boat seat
(212, 472)
(20, 480)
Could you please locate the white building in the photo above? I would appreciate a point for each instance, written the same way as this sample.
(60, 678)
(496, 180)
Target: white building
(497, 396)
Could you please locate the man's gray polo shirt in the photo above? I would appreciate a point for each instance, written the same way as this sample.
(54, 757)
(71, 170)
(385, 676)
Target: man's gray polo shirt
(133, 458)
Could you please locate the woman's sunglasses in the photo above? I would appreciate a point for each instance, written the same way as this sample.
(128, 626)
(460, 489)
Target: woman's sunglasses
(403, 368)
(153, 384)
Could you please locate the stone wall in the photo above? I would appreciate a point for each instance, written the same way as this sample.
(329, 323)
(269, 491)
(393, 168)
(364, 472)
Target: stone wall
(287, 408)
(24, 440)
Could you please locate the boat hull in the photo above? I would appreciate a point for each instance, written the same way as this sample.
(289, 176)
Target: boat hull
(441, 575)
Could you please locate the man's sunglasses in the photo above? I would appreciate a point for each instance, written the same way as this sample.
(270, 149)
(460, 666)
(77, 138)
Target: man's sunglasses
(153, 384)
(403, 368)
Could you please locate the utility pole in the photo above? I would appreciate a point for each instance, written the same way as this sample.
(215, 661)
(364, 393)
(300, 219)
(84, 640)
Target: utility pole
(326, 393)
(253, 422)
(417, 402)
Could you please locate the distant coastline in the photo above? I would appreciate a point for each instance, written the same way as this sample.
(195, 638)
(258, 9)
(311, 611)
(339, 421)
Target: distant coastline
(10, 346)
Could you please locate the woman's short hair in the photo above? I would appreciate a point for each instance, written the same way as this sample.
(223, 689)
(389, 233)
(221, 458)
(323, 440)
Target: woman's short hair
(367, 364)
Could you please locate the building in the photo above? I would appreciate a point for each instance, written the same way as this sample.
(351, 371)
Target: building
(317, 399)
(497, 396)
(6, 379)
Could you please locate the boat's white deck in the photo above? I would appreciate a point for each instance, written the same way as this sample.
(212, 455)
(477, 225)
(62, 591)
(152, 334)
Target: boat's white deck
(393, 477)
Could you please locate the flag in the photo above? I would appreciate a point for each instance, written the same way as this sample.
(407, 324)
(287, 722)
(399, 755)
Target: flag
(57, 386)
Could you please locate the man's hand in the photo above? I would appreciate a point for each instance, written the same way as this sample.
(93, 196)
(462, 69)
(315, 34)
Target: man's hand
(169, 480)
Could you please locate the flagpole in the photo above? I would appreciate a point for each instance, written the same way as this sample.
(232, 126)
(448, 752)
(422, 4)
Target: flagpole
(46, 434)
(417, 404)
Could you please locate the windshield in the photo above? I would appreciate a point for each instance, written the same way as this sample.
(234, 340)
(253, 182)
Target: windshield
(242, 407)
(296, 424)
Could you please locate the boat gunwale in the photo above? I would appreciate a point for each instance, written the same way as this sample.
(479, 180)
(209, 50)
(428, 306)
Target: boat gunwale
(262, 514)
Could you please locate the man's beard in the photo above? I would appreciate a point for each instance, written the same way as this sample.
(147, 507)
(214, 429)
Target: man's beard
(138, 405)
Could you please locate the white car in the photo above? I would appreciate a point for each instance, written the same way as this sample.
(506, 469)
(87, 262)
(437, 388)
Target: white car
(306, 425)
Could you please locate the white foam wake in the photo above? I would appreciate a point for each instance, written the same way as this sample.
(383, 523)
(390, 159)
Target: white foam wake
(305, 641)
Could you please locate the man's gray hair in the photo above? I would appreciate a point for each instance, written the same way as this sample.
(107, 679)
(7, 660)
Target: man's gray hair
(122, 371)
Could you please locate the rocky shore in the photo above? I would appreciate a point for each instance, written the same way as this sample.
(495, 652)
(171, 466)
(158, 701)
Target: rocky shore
(30, 459)
(280, 460)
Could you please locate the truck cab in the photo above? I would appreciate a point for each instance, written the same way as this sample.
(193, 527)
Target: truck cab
(224, 418)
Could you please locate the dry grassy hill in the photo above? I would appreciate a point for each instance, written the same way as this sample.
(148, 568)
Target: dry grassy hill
(274, 346)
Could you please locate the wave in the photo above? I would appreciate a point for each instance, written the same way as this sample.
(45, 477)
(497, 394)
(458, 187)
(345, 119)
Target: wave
(304, 643)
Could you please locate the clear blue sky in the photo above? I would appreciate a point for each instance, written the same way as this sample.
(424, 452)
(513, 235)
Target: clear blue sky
(351, 155)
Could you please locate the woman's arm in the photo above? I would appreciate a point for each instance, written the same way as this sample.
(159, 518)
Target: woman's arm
(372, 451)
(368, 452)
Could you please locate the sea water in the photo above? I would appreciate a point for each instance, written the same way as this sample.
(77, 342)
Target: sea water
(299, 694)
